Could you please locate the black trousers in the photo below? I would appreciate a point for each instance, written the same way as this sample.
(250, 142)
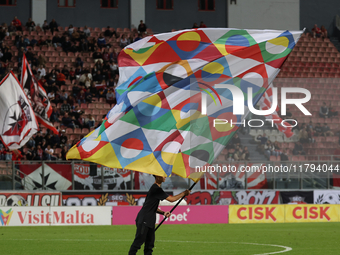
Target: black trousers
(144, 234)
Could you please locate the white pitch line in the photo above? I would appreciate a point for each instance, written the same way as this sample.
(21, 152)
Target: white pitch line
(286, 248)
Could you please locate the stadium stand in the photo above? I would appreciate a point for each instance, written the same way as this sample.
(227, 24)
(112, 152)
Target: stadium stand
(312, 64)
(87, 97)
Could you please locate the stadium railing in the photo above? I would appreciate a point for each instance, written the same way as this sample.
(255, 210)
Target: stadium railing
(322, 172)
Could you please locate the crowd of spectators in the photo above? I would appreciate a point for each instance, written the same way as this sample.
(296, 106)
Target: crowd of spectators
(235, 151)
(97, 79)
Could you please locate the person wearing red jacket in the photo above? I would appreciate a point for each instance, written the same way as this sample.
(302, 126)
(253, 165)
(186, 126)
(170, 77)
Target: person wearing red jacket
(17, 23)
(61, 78)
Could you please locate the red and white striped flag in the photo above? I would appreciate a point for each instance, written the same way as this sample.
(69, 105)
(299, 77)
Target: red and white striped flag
(37, 96)
(17, 119)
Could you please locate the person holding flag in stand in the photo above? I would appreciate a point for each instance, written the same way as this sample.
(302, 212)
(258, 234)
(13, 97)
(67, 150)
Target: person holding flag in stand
(146, 218)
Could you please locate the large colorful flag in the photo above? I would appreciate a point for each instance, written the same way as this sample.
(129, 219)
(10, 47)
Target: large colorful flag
(159, 125)
(37, 96)
(265, 103)
(17, 119)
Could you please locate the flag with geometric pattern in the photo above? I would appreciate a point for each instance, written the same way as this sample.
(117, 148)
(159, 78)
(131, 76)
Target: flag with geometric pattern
(157, 125)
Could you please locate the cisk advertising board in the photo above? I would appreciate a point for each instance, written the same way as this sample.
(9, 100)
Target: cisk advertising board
(312, 213)
(49, 216)
(256, 214)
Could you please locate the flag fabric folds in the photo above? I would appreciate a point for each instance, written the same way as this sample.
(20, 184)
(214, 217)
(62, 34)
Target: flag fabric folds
(158, 126)
(265, 103)
(37, 96)
(17, 119)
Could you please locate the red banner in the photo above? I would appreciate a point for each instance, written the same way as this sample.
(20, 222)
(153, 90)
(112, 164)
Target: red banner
(30, 199)
(233, 197)
(55, 176)
(113, 198)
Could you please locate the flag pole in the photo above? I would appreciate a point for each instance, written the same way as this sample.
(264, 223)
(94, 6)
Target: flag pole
(173, 208)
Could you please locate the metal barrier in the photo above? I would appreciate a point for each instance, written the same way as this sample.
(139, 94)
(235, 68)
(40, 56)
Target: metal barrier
(311, 174)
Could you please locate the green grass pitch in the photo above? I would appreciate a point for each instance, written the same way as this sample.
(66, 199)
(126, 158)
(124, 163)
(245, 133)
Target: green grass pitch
(239, 239)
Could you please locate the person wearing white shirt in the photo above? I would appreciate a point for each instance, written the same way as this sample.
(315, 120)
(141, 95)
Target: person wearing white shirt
(42, 70)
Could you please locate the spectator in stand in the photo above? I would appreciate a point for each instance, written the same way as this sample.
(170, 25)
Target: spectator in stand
(332, 111)
(33, 42)
(318, 130)
(195, 25)
(42, 70)
(54, 115)
(66, 72)
(238, 155)
(202, 25)
(61, 79)
(67, 121)
(89, 121)
(123, 41)
(63, 138)
(22, 44)
(63, 152)
(79, 62)
(326, 130)
(27, 41)
(142, 27)
(41, 61)
(20, 54)
(38, 138)
(7, 55)
(53, 26)
(71, 100)
(70, 29)
(75, 36)
(30, 25)
(324, 111)
(324, 33)
(88, 95)
(51, 97)
(87, 31)
(284, 157)
(298, 149)
(84, 45)
(63, 95)
(17, 23)
(110, 97)
(246, 153)
(41, 41)
(236, 141)
(101, 41)
(316, 31)
(269, 149)
(45, 26)
(56, 41)
(303, 135)
(65, 107)
(49, 153)
(3, 34)
(106, 55)
(108, 32)
(310, 135)
(81, 99)
(67, 46)
(97, 55)
(137, 37)
(97, 77)
(111, 83)
(72, 75)
(48, 41)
